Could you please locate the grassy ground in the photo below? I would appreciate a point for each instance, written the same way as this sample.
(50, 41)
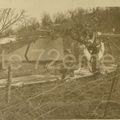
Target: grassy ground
(61, 100)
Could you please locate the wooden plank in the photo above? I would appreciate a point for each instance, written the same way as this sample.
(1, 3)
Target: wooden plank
(27, 80)
(37, 79)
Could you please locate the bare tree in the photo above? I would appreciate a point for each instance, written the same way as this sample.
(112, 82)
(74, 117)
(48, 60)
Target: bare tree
(8, 17)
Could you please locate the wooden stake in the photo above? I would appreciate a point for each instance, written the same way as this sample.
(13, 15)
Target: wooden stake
(8, 86)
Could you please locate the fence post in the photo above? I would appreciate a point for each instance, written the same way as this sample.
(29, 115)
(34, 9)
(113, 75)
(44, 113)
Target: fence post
(8, 85)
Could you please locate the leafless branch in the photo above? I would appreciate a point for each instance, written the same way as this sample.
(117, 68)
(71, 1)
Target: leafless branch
(8, 17)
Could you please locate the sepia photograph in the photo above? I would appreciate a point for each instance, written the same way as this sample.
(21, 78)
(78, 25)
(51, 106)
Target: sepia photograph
(59, 59)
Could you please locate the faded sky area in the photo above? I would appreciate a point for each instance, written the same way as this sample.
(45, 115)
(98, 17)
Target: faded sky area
(36, 8)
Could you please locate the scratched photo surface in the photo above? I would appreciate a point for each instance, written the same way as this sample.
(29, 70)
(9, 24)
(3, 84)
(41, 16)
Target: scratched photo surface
(59, 59)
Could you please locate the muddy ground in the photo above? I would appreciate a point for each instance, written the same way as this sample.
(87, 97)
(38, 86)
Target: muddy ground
(82, 98)
(71, 99)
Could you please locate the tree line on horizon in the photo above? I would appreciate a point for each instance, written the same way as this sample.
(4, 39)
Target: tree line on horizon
(76, 24)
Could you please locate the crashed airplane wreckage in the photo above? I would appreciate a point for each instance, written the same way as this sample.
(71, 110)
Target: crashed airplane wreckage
(93, 54)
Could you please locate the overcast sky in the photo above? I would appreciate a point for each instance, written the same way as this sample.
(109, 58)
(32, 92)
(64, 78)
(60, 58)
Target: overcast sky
(37, 7)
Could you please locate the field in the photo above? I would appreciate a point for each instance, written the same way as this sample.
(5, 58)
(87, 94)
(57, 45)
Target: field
(71, 99)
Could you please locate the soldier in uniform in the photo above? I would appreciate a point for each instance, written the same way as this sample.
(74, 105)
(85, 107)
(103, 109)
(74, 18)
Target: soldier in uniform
(94, 51)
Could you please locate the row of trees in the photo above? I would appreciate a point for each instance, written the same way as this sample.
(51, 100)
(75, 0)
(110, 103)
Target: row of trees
(76, 24)
(80, 22)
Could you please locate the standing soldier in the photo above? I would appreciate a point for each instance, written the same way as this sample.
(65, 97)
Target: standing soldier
(93, 51)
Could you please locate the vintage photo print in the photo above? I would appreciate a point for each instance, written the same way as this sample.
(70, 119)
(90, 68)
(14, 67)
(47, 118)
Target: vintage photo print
(59, 59)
